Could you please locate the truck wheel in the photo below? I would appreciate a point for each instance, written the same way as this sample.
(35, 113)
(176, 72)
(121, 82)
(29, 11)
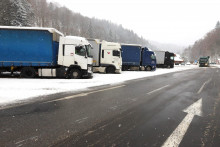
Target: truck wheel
(110, 69)
(28, 72)
(148, 68)
(75, 74)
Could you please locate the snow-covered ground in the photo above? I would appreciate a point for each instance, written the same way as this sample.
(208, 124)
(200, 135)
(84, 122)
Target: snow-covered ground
(14, 90)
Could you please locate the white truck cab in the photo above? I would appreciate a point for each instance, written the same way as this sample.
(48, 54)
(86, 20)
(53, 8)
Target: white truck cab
(106, 56)
(74, 54)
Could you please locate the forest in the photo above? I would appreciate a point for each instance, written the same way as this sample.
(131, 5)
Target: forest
(40, 13)
(209, 45)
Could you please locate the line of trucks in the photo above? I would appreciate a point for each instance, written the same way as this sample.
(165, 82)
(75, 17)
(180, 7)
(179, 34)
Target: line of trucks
(46, 52)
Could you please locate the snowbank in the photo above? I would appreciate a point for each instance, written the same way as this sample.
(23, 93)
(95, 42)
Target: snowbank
(16, 90)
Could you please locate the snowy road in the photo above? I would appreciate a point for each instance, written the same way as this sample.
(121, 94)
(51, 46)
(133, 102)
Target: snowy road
(19, 90)
(177, 109)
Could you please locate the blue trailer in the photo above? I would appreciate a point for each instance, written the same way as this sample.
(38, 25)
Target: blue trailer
(134, 57)
(43, 52)
(148, 60)
(29, 47)
(131, 56)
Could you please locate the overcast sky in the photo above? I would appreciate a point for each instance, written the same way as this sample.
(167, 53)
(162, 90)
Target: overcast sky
(180, 22)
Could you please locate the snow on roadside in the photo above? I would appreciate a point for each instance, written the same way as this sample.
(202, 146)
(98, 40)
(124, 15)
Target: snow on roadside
(16, 90)
(217, 65)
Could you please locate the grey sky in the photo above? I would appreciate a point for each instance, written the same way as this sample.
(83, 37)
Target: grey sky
(179, 22)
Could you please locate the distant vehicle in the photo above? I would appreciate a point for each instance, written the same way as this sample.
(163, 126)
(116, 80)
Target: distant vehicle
(188, 63)
(106, 56)
(134, 57)
(204, 61)
(44, 52)
(165, 59)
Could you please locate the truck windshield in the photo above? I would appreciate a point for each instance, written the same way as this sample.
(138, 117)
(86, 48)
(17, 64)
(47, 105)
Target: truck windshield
(153, 56)
(88, 50)
(203, 60)
(80, 50)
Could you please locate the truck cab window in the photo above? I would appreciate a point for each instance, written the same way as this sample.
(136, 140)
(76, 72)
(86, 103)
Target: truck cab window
(116, 53)
(80, 50)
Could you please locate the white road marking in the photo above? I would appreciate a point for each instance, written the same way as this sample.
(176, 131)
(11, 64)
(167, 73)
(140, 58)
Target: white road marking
(81, 120)
(114, 107)
(34, 138)
(84, 94)
(176, 137)
(149, 93)
(203, 85)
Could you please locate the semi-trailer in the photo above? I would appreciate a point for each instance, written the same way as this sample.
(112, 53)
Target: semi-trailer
(106, 56)
(164, 59)
(131, 56)
(134, 57)
(43, 52)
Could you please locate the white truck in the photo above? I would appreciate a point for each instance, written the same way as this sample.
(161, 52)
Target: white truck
(106, 56)
(74, 52)
(43, 52)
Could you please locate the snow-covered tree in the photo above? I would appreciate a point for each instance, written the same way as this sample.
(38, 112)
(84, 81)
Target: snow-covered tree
(5, 8)
(16, 13)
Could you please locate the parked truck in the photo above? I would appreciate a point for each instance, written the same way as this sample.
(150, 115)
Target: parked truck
(43, 52)
(106, 56)
(165, 59)
(204, 61)
(134, 57)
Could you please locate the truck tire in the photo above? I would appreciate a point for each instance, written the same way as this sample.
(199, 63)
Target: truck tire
(148, 68)
(110, 70)
(75, 74)
(28, 72)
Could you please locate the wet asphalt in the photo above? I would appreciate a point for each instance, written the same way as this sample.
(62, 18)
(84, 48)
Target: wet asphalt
(142, 112)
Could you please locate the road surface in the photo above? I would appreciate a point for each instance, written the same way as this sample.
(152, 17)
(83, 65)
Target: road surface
(176, 109)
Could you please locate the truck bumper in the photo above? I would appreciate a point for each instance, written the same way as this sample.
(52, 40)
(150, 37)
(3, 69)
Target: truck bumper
(88, 73)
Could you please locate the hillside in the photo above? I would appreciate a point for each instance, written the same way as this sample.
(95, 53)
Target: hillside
(167, 47)
(42, 14)
(207, 46)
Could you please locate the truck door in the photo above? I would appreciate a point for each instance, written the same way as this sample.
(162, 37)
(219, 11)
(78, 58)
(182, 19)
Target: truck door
(68, 53)
(117, 58)
(81, 58)
(106, 57)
